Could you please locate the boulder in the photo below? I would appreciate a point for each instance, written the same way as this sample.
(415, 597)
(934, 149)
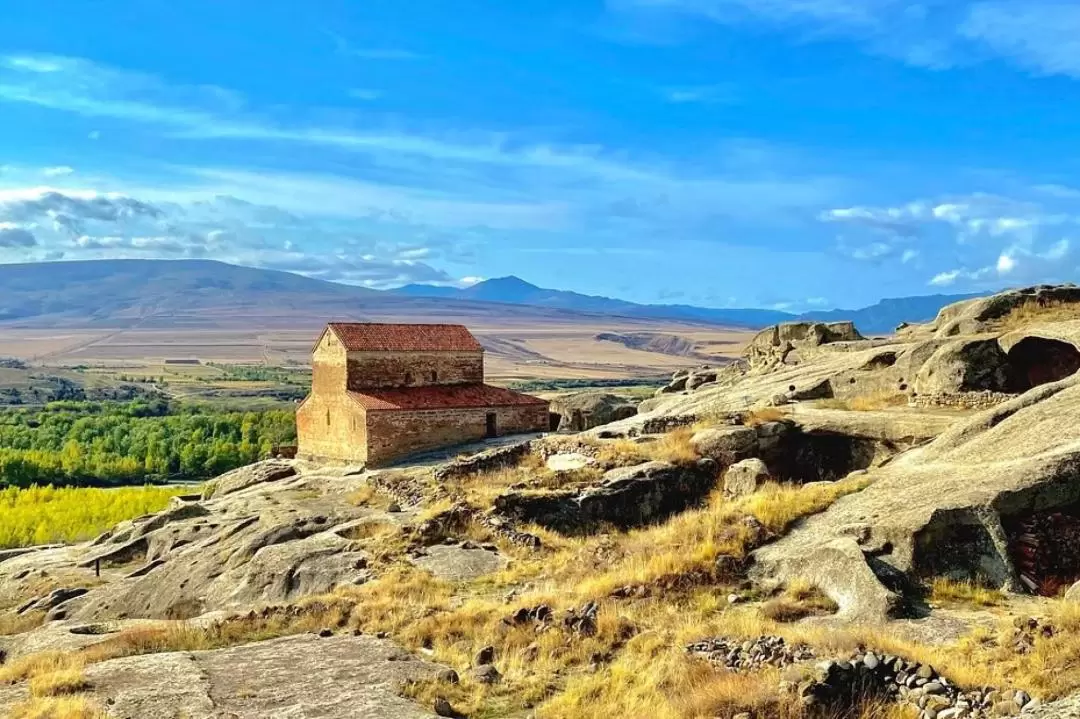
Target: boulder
(258, 473)
(626, 497)
(964, 366)
(584, 410)
(726, 445)
(745, 477)
(701, 377)
(1073, 593)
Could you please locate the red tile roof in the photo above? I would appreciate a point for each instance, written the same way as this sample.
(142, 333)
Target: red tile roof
(451, 396)
(377, 337)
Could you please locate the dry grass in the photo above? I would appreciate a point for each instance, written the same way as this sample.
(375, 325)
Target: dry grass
(947, 591)
(865, 403)
(763, 416)
(61, 682)
(634, 662)
(13, 623)
(621, 453)
(799, 600)
(673, 447)
(1033, 312)
(58, 708)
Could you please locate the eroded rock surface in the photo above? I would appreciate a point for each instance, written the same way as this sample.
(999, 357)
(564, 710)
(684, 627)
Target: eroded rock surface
(306, 676)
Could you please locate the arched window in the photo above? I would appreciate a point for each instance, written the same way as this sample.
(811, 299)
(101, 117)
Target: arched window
(327, 418)
(408, 378)
(434, 376)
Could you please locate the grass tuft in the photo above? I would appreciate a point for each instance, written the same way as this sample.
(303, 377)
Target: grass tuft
(947, 591)
(1035, 312)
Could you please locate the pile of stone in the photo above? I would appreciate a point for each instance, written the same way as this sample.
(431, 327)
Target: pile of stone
(839, 684)
(1026, 631)
(579, 621)
(752, 654)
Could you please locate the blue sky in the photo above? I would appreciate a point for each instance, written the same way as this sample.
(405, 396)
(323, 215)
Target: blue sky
(795, 154)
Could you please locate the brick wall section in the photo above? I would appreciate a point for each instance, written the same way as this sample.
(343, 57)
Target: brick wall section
(372, 370)
(394, 433)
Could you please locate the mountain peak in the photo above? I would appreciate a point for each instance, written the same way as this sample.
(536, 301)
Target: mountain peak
(509, 282)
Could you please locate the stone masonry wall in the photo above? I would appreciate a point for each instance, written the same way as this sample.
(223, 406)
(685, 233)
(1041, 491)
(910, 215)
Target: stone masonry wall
(961, 400)
(393, 434)
(328, 363)
(331, 426)
(367, 370)
(328, 424)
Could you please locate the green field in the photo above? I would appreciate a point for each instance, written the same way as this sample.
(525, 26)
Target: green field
(48, 515)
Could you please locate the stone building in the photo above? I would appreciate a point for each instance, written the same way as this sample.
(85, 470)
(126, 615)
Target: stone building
(381, 391)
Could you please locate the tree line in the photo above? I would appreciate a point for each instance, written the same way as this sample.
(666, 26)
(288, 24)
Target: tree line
(112, 443)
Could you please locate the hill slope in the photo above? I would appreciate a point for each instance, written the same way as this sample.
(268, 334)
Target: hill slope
(879, 318)
(206, 293)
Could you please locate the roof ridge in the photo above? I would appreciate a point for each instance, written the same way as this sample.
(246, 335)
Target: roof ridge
(405, 337)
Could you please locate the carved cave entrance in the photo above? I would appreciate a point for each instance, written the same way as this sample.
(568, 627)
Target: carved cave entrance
(1035, 361)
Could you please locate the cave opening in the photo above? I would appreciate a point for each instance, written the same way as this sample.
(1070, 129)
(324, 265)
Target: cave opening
(823, 456)
(1035, 361)
(1043, 548)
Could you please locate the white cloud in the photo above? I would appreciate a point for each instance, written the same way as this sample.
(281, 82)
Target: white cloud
(470, 281)
(1040, 35)
(909, 255)
(59, 171)
(1057, 251)
(872, 251)
(943, 279)
(1005, 264)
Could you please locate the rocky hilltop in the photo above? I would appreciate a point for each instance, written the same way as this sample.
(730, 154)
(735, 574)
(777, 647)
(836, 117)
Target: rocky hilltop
(836, 526)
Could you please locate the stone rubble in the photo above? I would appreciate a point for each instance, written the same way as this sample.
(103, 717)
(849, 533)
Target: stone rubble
(751, 654)
(843, 683)
(840, 684)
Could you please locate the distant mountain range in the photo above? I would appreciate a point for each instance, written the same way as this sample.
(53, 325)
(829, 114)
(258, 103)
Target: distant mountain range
(205, 293)
(879, 318)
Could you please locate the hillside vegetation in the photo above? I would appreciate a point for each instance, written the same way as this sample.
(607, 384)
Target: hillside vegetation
(48, 515)
(108, 443)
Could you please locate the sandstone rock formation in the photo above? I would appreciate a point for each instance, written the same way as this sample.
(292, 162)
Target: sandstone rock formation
(584, 410)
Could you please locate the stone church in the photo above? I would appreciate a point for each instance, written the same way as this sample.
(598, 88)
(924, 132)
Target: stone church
(382, 391)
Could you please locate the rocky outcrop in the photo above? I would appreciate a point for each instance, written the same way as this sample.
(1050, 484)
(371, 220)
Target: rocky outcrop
(943, 509)
(259, 539)
(238, 479)
(787, 343)
(980, 315)
(964, 366)
(280, 677)
(585, 410)
(627, 497)
(484, 461)
(726, 445)
(745, 477)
